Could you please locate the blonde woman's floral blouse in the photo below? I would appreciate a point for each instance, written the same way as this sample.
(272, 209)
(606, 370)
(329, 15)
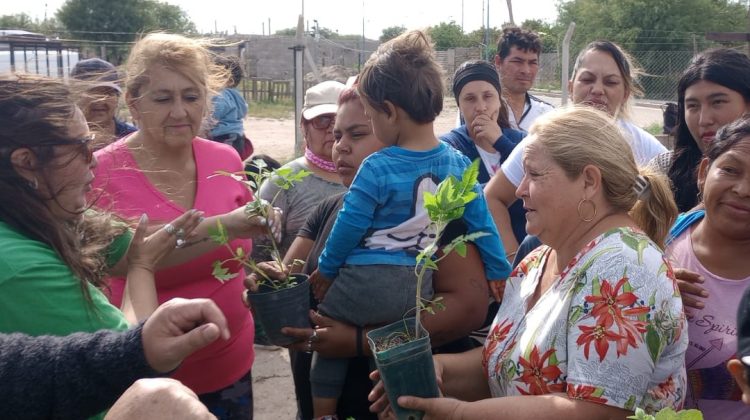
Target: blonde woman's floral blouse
(610, 330)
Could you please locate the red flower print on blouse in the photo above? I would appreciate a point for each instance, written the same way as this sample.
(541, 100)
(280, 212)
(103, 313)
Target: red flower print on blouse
(601, 335)
(495, 337)
(537, 376)
(586, 392)
(608, 305)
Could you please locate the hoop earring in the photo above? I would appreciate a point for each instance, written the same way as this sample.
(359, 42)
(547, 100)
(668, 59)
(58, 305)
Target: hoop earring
(580, 204)
(700, 196)
(34, 185)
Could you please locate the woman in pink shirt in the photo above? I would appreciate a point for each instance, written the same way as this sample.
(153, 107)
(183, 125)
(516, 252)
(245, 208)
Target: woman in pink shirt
(163, 170)
(713, 242)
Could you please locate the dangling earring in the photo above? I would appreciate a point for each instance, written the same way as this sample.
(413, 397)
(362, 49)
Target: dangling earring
(580, 204)
(700, 196)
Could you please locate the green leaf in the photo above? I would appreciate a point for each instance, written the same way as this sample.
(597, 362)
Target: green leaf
(666, 414)
(630, 403)
(692, 414)
(575, 314)
(461, 249)
(220, 272)
(653, 342)
(630, 241)
(218, 233)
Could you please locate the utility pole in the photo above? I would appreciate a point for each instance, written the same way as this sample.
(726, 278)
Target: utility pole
(510, 12)
(462, 15)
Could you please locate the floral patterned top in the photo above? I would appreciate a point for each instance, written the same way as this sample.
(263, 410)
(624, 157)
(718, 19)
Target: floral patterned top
(609, 330)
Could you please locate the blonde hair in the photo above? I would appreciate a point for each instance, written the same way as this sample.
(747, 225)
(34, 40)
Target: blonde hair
(189, 57)
(577, 136)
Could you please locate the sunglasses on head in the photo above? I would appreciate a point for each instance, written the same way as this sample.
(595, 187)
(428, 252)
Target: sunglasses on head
(322, 122)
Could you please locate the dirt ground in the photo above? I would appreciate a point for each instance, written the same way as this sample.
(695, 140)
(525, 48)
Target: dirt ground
(276, 137)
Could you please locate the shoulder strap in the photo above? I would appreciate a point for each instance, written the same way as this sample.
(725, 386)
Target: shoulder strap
(683, 222)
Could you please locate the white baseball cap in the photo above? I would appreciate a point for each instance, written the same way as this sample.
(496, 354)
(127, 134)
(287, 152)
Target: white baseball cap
(322, 99)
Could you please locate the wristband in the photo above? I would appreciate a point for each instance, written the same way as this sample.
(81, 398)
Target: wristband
(360, 353)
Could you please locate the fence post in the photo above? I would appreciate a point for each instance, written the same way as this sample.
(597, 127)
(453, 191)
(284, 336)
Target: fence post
(566, 62)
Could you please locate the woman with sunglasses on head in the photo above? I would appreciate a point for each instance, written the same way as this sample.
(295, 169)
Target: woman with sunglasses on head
(318, 118)
(55, 252)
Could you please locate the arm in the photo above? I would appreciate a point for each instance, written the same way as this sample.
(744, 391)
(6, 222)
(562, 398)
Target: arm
(490, 246)
(352, 221)
(462, 375)
(140, 298)
(461, 282)
(500, 194)
(68, 377)
(550, 406)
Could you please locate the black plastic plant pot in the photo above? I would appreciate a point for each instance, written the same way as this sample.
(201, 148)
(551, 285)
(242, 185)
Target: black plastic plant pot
(275, 309)
(406, 366)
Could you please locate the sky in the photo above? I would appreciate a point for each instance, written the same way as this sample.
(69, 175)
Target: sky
(346, 16)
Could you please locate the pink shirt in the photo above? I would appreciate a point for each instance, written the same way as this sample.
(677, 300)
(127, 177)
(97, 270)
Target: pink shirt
(126, 191)
(712, 334)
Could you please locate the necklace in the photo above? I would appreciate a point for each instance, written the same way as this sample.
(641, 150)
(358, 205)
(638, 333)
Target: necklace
(318, 161)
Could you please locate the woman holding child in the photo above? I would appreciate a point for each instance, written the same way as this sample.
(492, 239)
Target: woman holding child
(591, 324)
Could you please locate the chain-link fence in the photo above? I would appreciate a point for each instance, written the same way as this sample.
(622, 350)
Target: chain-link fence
(661, 71)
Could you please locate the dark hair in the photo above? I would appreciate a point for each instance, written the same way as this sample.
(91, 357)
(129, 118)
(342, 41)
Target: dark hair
(722, 66)
(482, 70)
(728, 136)
(234, 66)
(349, 94)
(522, 39)
(35, 112)
(404, 72)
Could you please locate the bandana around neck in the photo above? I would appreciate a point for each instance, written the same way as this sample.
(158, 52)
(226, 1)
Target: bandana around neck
(318, 161)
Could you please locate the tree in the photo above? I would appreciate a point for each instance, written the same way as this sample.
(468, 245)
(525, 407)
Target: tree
(650, 25)
(122, 20)
(648, 29)
(447, 35)
(392, 32)
(18, 21)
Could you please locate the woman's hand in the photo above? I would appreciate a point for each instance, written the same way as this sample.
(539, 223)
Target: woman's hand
(690, 289)
(434, 408)
(270, 268)
(146, 251)
(379, 398)
(239, 225)
(485, 129)
(334, 339)
(320, 285)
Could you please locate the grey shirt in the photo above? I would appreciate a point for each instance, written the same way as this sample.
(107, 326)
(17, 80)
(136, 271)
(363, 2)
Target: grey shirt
(296, 203)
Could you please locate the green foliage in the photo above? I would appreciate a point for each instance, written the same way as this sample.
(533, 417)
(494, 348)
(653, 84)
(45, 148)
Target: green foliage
(650, 25)
(25, 22)
(447, 35)
(392, 32)
(667, 414)
(445, 205)
(122, 20)
(284, 178)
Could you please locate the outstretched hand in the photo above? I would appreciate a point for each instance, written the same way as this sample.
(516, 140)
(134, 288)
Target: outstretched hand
(239, 225)
(334, 339)
(146, 251)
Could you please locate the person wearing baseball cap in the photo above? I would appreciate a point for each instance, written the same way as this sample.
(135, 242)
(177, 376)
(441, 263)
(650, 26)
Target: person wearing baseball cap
(99, 81)
(318, 118)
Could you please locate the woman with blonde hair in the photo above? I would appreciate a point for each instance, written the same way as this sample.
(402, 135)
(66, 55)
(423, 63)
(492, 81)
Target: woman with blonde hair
(591, 323)
(164, 168)
(605, 78)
